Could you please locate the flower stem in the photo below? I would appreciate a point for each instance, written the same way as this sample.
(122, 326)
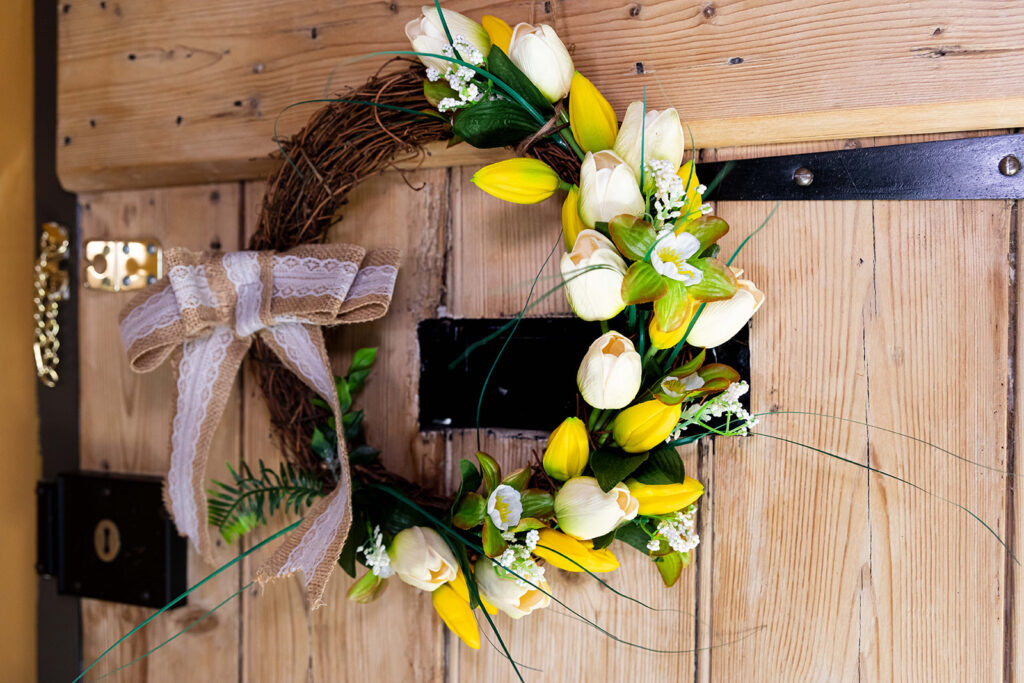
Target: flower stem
(570, 140)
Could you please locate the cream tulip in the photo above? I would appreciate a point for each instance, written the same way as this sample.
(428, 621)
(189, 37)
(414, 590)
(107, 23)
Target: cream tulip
(721, 320)
(584, 511)
(506, 593)
(661, 133)
(609, 376)
(427, 35)
(608, 188)
(593, 273)
(540, 54)
(421, 558)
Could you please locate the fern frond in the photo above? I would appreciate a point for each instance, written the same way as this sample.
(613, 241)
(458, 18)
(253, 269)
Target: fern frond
(251, 497)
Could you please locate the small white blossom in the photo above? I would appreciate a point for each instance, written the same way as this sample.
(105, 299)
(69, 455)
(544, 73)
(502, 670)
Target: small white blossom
(679, 530)
(669, 191)
(653, 545)
(724, 404)
(517, 560)
(376, 554)
(459, 77)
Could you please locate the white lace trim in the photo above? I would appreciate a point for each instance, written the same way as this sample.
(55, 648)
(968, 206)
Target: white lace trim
(296, 276)
(312, 551)
(191, 287)
(200, 364)
(243, 269)
(373, 280)
(294, 340)
(158, 311)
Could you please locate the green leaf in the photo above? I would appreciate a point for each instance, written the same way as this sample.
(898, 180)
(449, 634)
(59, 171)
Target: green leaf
(491, 539)
(357, 380)
(528, 524)
(470, 510)
(353, 424)
(602, 227)
(490, 470)
(537, 503)
(632, 534)
(604, 541)
(344, 395)
(325, 448)
(673, 309)
(612, 465)
(642, 284)
(671, 566)
(356, 537)
(708, 230)
(470, 477)
(518, 479)
(691, 366)
(719, 371)
(363, 455)
(712, 251)
(632, 236)
(504, 69)
(363, 359)
(667, 460)
(649, 474)
(494, 123)
(717, 284)
(435, 91)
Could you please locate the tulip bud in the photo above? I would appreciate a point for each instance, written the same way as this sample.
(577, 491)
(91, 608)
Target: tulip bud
(540, 54)
(721, 320)
(585, 511)
(504, 507)
(575, 555)
(661, 499)
(421, 558)
(591, 118)
(456, 615)
(640, 428)
(568, 450)
(593, 273)
(367, 588)
(661, 133)
(461, 589)
(506, 593)
(608, 188)
(427, 35)
(521, 180)
(609, 376)
(498, 30)
(572, 226)
(665, 340)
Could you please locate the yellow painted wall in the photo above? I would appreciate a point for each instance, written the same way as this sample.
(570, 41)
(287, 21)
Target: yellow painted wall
(19, 456)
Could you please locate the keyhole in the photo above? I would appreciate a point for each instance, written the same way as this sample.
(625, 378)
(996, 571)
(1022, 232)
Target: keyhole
(106, 540)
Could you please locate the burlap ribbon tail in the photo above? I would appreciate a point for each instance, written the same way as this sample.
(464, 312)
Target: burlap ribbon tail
(203, 314)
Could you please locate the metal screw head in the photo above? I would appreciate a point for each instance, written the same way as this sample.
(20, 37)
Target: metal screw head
(126, 249)
(803, 176)
(151, 248)
(1009, 165)
(126, 281)
(151, 279)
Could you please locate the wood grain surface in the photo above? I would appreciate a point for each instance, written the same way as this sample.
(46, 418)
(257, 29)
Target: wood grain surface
(162, 93)
(900, 314)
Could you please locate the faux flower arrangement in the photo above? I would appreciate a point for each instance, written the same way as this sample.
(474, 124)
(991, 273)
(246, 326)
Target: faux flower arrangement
(641, 255)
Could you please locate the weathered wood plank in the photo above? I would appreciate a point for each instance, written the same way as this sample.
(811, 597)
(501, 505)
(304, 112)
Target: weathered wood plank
(157, 93)
(125, 427)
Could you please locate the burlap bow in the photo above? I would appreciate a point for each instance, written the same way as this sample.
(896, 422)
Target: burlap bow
(203, 314)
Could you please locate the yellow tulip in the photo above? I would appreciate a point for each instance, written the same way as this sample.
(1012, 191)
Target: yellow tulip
(661, 339)
(499, 31)
(581, 554)
(568, 450)
(458, 584)
(522, 180)
(640, 428)
(661, 499)
(591, 117)
(572, 224)
(457, 615)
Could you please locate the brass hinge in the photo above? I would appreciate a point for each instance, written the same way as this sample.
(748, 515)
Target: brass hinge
(118, 266)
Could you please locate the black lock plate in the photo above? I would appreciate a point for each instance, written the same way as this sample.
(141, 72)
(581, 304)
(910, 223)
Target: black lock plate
(109, 537)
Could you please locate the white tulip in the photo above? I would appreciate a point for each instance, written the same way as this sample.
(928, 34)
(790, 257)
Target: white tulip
(585, 511)
(608, 188)
(662, 134)
(540, 54)
(506, 592)
(721, 320)
(421, 558)
(594, 294)
(427, 35)
(609, 376)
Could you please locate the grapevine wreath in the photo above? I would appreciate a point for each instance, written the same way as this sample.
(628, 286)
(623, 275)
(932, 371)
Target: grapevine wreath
(640, 260)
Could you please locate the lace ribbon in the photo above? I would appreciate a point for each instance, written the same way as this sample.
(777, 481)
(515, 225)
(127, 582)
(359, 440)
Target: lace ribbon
(203, 315)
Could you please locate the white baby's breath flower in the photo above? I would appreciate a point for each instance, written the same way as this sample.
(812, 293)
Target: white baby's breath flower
(376, 554)
(678, 530)
(517, 562)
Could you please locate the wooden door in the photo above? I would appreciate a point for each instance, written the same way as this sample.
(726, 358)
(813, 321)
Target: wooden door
(898, 314)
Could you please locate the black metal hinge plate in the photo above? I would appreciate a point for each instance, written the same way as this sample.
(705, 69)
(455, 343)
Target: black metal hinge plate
(968, 168)
(109, 537)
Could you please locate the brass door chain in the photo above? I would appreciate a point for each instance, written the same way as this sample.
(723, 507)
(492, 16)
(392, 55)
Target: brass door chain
(51, 282)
